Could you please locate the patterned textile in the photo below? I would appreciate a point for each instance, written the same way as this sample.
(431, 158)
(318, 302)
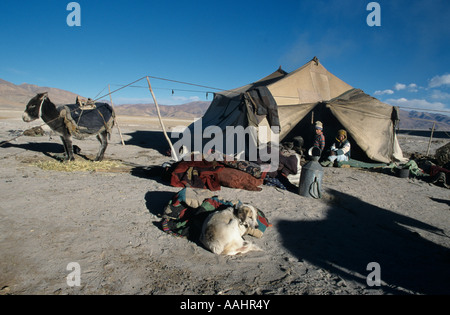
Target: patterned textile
(273, 181)
(184, 215)
(246, 166)
(182, 220)
(319, 141)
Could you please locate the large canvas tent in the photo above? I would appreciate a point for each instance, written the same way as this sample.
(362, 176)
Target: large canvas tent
(294, 101)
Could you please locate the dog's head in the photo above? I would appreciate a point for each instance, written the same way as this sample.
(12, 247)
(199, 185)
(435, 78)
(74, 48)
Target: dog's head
(248, 216)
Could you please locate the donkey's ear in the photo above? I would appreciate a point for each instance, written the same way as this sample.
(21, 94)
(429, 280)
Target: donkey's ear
(42, 95)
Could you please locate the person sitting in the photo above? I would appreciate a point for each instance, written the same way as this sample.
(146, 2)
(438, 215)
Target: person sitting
(340, 150)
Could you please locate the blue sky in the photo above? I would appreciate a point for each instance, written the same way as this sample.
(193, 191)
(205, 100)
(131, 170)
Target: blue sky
(226, 44)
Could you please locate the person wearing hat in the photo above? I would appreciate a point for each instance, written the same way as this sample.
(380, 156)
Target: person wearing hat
(340, 150)
(319, 139)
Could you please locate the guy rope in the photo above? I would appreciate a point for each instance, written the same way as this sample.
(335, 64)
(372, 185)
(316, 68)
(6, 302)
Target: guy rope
(174, 155)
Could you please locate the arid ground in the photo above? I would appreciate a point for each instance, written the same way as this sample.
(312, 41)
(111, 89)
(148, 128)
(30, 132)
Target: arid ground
(108, 223)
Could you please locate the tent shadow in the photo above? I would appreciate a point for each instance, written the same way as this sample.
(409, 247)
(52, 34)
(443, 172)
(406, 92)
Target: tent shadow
(441, 200)
(149, 140)
(356, 233)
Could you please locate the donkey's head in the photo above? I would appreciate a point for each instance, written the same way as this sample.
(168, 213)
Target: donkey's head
(34, 107)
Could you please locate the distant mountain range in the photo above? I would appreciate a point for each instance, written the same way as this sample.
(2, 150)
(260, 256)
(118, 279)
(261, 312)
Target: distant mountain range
(14, 96)
(423, 121)
(188, 110)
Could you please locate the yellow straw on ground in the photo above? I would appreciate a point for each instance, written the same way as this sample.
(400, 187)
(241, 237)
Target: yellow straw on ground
(79, 166)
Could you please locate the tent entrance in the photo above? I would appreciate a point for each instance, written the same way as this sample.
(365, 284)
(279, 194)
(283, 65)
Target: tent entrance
(305, 129)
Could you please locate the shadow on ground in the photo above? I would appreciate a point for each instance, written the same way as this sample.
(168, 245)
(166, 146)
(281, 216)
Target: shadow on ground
(43, 147)
(156, 201)
(49, 149)
(356, 233)
(149, 140)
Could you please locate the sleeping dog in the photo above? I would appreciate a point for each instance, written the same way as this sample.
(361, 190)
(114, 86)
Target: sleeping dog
(222, 231)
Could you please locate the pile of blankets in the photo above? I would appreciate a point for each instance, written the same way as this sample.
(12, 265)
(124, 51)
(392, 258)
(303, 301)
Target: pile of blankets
(212, 175)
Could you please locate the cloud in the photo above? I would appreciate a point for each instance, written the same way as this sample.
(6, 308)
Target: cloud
(416, 104)
(439, 95)
(399, 86)
(439, 80)
(412, 87)
(388, 92)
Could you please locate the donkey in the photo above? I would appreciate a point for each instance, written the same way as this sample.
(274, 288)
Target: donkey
(59, 119)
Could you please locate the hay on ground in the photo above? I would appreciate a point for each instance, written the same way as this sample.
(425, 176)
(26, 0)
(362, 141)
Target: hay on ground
(81, 166)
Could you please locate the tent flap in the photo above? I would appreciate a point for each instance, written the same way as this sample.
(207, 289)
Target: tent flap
(368, 121)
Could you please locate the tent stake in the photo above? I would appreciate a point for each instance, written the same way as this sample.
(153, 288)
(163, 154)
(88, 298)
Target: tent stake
(174, 154)
(112, 105)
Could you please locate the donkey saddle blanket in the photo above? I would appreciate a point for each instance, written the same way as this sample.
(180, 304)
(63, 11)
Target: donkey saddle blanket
(83, 122)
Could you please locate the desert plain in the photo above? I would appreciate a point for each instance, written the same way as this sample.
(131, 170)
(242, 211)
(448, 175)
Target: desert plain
(107, 222)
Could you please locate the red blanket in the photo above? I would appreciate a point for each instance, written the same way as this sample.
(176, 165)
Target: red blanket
(197, 174)
(212, 175)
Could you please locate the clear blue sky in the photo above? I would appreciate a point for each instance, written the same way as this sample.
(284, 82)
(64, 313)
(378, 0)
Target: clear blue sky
(226, 44)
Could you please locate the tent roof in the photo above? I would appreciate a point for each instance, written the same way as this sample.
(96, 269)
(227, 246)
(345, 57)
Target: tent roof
(370, 122)
(271, 78)
(310, 83)
(306, 86)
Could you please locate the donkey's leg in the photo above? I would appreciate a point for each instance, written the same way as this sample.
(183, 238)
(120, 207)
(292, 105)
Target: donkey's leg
(66, 155)
(68, 148)
(103, 138)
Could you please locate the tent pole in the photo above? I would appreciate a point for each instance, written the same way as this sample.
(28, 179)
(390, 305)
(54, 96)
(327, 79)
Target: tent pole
(173, 153)
(112, 105)
(431, 138)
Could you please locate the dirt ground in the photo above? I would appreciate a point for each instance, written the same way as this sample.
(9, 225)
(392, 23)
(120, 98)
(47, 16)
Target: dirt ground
(108, 224)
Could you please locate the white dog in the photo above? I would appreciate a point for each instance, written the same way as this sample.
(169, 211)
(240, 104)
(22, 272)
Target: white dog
(223, 230)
